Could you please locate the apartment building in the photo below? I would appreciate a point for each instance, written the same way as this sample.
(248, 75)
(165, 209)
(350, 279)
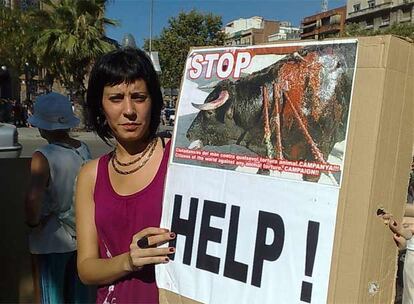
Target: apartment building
(286, 32)
(22, 4)
(379, 14)
(325, 24)
(250, 31)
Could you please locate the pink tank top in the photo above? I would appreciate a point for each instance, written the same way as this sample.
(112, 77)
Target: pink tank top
(117, 219)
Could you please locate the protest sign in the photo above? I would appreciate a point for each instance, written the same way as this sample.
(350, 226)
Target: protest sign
(252, 188)
(281, 156)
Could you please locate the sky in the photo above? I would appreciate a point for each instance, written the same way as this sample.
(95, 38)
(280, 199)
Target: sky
(134, 15)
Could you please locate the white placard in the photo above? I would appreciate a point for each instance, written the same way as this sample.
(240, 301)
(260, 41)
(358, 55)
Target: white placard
(240, 201)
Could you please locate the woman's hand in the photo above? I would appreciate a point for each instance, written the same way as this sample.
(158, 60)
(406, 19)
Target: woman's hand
(138, 257)
(398, 229)
(400, 241)
(401, 233)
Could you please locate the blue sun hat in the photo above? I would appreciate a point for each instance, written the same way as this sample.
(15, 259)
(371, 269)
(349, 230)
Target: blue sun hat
(53, 111)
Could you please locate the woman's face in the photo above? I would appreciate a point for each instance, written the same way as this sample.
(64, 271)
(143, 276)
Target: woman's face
(127, 109)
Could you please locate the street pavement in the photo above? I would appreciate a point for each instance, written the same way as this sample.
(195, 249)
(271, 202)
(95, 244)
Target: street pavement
(30, 139)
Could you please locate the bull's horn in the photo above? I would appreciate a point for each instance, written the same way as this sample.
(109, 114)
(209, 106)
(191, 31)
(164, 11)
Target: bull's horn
(298, 56)
(212, 105)
(196, 145)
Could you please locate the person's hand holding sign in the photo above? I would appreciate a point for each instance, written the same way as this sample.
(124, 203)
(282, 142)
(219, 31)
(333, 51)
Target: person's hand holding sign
(144, 247)
(401, 233)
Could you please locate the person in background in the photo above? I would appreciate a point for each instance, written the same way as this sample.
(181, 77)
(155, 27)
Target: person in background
(410, 194)
(119, 195)
(25, 114)
(3, 110)
(403, 237)
(408, 223)
(163, 117)
(29, 113)
(49, 205)
(18, 114)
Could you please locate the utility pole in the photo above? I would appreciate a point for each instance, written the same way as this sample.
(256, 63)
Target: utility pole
(324, 5)
(150, 26)
(27, 77)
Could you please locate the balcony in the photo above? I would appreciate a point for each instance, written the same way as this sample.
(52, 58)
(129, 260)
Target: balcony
(405, 19)
(325, 29)
(384, 23)
(307, 26)
(370, 10)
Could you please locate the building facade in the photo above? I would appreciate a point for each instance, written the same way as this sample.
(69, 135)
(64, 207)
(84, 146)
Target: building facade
(22, 4)
(286, 32)
(250, 31)
(325, 24)
(379, 14)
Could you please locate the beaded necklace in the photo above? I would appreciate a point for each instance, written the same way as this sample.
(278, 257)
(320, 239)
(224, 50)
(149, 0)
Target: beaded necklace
(150, 147)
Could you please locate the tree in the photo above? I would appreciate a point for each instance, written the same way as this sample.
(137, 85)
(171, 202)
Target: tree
(184, 31)
(16, 32)
(401, 29)
(398, 29)
(71, 41)
(18, 29)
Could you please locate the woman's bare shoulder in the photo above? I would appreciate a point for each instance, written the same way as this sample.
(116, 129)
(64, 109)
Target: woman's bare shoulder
(89, 170)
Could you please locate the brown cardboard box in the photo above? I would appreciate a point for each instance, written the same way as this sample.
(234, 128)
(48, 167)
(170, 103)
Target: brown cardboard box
(376, 170)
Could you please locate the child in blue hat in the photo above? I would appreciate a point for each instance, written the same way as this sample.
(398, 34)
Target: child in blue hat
(49, 201)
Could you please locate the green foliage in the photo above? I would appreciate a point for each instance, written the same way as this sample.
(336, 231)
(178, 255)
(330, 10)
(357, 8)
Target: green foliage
(400, 29)
(184, 31)
(354, 29)
(17, 29)
(64, 39)
(72, 40)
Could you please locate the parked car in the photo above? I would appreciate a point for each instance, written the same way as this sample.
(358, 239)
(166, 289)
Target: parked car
(9, 143)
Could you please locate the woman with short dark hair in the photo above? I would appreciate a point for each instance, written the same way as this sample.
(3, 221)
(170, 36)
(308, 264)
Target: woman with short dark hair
(119, 196)
(115, 68)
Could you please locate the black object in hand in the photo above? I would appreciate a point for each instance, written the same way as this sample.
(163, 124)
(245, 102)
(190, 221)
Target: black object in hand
(143, 242)
(380, 212)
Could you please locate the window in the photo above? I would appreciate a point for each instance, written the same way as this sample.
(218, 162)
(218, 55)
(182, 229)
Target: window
(385, 20)
(325, 21)
(369, 24)
(406, 14)
(371, 3)
(357, 7)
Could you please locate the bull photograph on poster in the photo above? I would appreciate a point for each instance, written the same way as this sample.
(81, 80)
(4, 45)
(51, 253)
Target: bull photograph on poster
(277, 110)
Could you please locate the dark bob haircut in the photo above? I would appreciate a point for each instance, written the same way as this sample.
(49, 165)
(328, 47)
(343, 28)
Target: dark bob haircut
(116, 67)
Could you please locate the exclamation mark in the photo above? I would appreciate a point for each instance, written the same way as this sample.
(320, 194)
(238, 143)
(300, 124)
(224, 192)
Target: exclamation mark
(311, 244)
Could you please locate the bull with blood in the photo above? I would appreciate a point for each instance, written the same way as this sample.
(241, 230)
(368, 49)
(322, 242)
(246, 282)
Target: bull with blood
(307, 95)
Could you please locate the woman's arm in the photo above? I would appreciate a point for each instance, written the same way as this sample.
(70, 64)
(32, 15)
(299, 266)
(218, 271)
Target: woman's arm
(94, 270)
(39, 177)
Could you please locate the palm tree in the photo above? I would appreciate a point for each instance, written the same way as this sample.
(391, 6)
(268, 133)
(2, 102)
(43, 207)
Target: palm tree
(73, 37)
